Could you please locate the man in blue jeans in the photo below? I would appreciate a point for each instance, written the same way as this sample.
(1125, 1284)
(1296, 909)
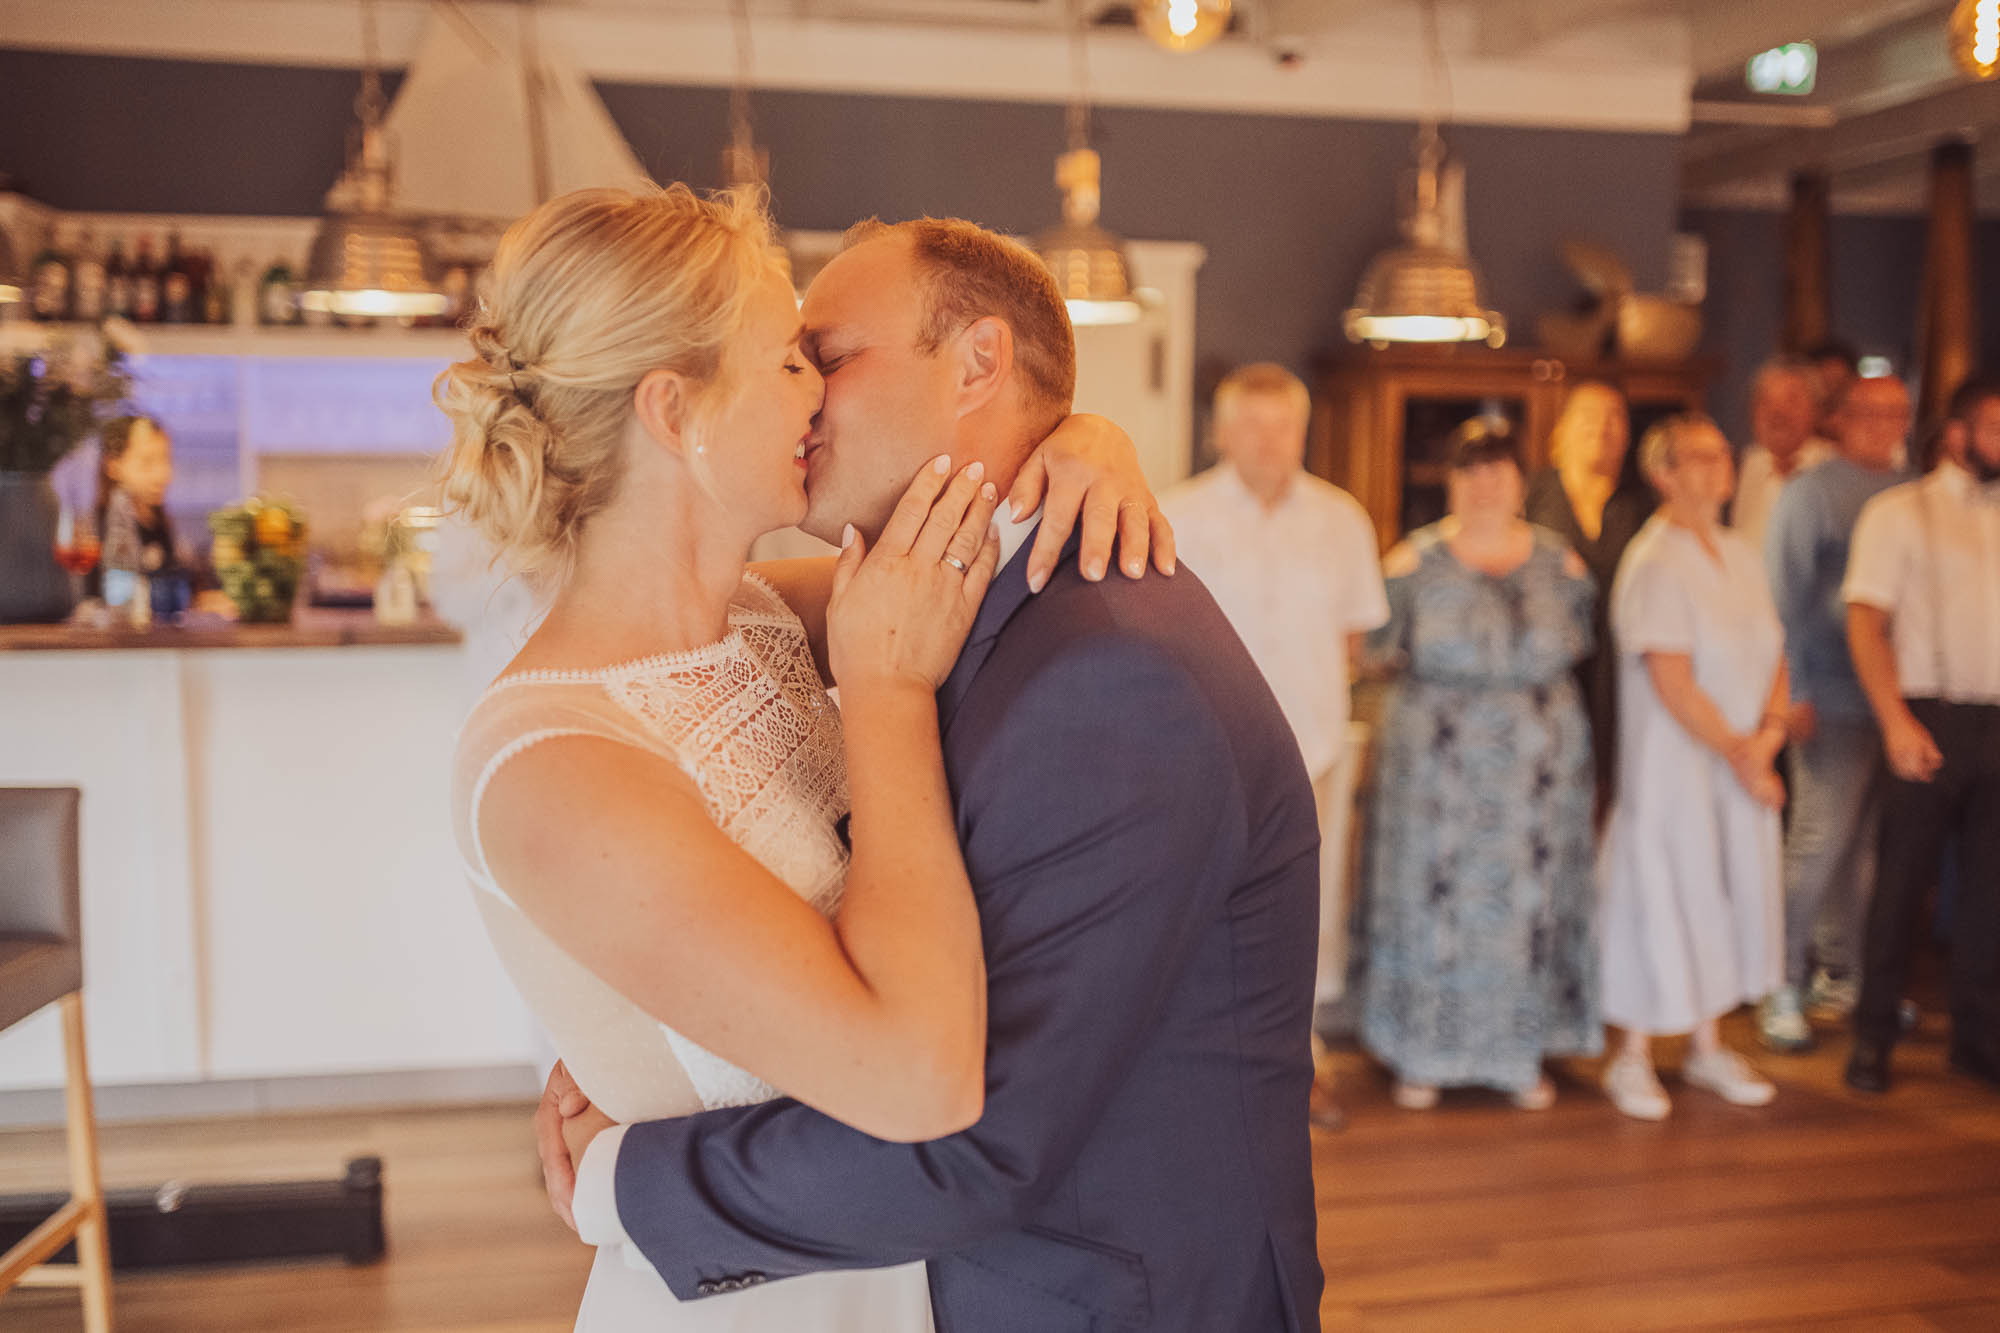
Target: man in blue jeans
(1836, 753)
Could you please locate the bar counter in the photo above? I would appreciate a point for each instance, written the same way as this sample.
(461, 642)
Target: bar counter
(271, 889)
(309, 628)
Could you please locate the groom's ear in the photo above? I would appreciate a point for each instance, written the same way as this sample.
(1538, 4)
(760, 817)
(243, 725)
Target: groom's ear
(661, 403)
(983, 362)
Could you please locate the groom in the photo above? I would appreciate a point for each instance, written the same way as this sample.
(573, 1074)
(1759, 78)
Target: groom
(1141, 837)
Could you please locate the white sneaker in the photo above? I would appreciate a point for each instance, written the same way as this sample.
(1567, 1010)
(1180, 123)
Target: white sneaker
(1729, 1076)
(1414, 1096)
(1635, 1089)
(1539, 1096)
(1781, 1022)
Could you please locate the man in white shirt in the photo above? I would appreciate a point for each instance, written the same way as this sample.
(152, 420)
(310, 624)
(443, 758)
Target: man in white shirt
(1293, 562)
(1923, 625)
(1783, 406)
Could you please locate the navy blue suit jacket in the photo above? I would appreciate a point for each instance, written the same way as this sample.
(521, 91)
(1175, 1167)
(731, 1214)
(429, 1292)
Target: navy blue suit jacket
(1141, 837)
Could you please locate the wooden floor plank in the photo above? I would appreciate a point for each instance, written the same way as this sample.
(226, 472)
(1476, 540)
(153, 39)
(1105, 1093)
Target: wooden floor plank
(1827, 1210)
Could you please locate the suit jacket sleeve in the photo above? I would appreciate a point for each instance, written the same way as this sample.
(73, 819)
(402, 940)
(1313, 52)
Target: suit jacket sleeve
(1099, 828)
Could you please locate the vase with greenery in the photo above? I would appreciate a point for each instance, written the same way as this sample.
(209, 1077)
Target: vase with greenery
(56, 388)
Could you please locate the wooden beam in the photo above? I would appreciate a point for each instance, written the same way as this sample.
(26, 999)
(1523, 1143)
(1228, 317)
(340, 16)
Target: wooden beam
(1959, 111)
(1808, 273)
(1947, 336)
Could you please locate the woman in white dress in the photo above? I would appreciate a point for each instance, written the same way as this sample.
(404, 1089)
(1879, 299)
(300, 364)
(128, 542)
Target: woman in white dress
(1690, 862)
(648, 799)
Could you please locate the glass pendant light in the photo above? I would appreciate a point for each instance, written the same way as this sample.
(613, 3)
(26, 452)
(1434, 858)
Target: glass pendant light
(1183, 25)
(1088, 261)
(1425, 290)
(367, 260)
(1974, 35)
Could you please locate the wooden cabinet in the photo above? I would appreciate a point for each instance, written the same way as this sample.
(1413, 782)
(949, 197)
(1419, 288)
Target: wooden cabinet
(1381, 419)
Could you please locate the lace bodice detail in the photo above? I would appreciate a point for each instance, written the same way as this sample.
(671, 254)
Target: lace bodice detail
(749, 723)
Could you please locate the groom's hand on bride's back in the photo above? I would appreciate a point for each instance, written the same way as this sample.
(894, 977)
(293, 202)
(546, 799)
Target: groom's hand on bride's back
(1091, 467)
(562, 1101)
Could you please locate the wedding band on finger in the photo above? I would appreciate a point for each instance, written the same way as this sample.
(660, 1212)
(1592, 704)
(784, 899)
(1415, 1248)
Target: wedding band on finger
(954, 562)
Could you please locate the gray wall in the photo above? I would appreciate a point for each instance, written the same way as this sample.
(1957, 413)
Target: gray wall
(1877, 273)
(1289, 208)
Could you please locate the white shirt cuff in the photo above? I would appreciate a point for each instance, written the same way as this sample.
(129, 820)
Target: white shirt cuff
(595, 1203)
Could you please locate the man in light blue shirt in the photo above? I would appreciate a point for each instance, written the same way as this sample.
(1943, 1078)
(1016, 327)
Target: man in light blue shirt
(1836, 753)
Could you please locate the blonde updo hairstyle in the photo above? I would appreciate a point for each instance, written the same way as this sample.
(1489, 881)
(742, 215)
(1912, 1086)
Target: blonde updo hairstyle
(586, 296)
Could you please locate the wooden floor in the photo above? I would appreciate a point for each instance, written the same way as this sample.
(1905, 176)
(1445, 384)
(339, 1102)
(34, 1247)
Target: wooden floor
(1826, 1210)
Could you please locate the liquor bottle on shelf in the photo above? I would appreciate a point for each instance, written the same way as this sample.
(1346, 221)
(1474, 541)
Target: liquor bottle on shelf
(214, 290)
(243, 294)
(145, 284)
(277, 300)
(88, 280)
(49, 279)
(117, 283)
(176, 284)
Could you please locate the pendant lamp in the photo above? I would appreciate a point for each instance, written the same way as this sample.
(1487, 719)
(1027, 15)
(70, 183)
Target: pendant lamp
(366, 259)
(1088, 261)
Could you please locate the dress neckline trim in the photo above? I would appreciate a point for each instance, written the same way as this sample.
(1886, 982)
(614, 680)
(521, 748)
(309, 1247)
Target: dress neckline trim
(730, 644)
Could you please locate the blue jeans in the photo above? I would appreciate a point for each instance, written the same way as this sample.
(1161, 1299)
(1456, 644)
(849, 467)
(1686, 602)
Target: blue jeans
(1830, 846)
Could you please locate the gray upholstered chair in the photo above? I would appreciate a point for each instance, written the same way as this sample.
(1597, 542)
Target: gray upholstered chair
(41, 963)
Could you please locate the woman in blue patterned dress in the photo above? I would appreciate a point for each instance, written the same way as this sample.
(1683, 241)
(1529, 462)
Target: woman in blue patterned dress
(1481, 936)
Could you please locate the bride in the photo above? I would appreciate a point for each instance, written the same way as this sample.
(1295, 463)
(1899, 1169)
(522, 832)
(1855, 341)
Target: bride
(651, 797)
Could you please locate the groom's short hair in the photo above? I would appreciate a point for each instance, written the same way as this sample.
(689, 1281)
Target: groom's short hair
(969, 273)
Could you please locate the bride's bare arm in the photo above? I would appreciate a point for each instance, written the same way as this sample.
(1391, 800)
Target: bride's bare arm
(1088, 468)
(878, 1018)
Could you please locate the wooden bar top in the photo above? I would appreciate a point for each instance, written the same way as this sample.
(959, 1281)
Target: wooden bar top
(310, 628)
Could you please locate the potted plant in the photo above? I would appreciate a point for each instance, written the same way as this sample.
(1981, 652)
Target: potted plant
(259, 554)
(56, 388)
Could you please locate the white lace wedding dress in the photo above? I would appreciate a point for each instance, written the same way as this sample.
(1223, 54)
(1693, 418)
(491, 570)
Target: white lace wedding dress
(747, 720)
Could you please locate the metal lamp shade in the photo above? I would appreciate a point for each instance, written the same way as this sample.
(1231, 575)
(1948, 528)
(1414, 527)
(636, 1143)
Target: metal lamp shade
(1090, 271)
(1424, 294)
(366, 264)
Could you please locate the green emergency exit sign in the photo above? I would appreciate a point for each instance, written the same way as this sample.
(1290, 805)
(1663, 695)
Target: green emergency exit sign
(1790, 70)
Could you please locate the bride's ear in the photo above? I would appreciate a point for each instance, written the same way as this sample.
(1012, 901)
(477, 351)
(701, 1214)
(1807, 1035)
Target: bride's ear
(661, 404)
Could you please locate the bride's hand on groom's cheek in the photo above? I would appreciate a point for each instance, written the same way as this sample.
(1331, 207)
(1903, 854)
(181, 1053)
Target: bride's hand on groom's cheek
(1090, 467)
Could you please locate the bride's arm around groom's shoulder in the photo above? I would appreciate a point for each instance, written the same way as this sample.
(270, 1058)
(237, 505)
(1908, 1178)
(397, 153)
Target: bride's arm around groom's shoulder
(1086, 472)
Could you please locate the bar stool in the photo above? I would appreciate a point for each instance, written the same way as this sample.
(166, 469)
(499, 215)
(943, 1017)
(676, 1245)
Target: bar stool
(41, 963)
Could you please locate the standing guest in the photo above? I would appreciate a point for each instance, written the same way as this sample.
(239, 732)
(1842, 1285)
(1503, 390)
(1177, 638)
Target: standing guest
(1482, 954)
(1836, 754)
(1784, 406)
(134, 468)
(1578, 497)
(1838, 368)
(1690, 861)
(1291, 560)
(1923, 622)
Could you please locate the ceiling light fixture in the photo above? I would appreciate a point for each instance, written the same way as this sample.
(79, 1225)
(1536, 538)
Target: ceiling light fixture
(1088, 262)
(367, 260)
(1974, 35)
(1183, 25)
(1425, 290)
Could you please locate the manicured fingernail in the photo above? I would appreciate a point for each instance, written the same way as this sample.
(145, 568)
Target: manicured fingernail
(847, 536)
(989, 492)
(941, 464)
(1093, 571)
(1013, 510)
(1172, 565)
(975, 470)
(1037, 581)
(1134, 568)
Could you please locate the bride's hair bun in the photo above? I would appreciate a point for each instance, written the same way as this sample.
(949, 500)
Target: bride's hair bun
(586, 295)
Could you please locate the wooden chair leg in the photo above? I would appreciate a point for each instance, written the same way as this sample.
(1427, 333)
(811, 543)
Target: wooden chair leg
(93, 1249)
